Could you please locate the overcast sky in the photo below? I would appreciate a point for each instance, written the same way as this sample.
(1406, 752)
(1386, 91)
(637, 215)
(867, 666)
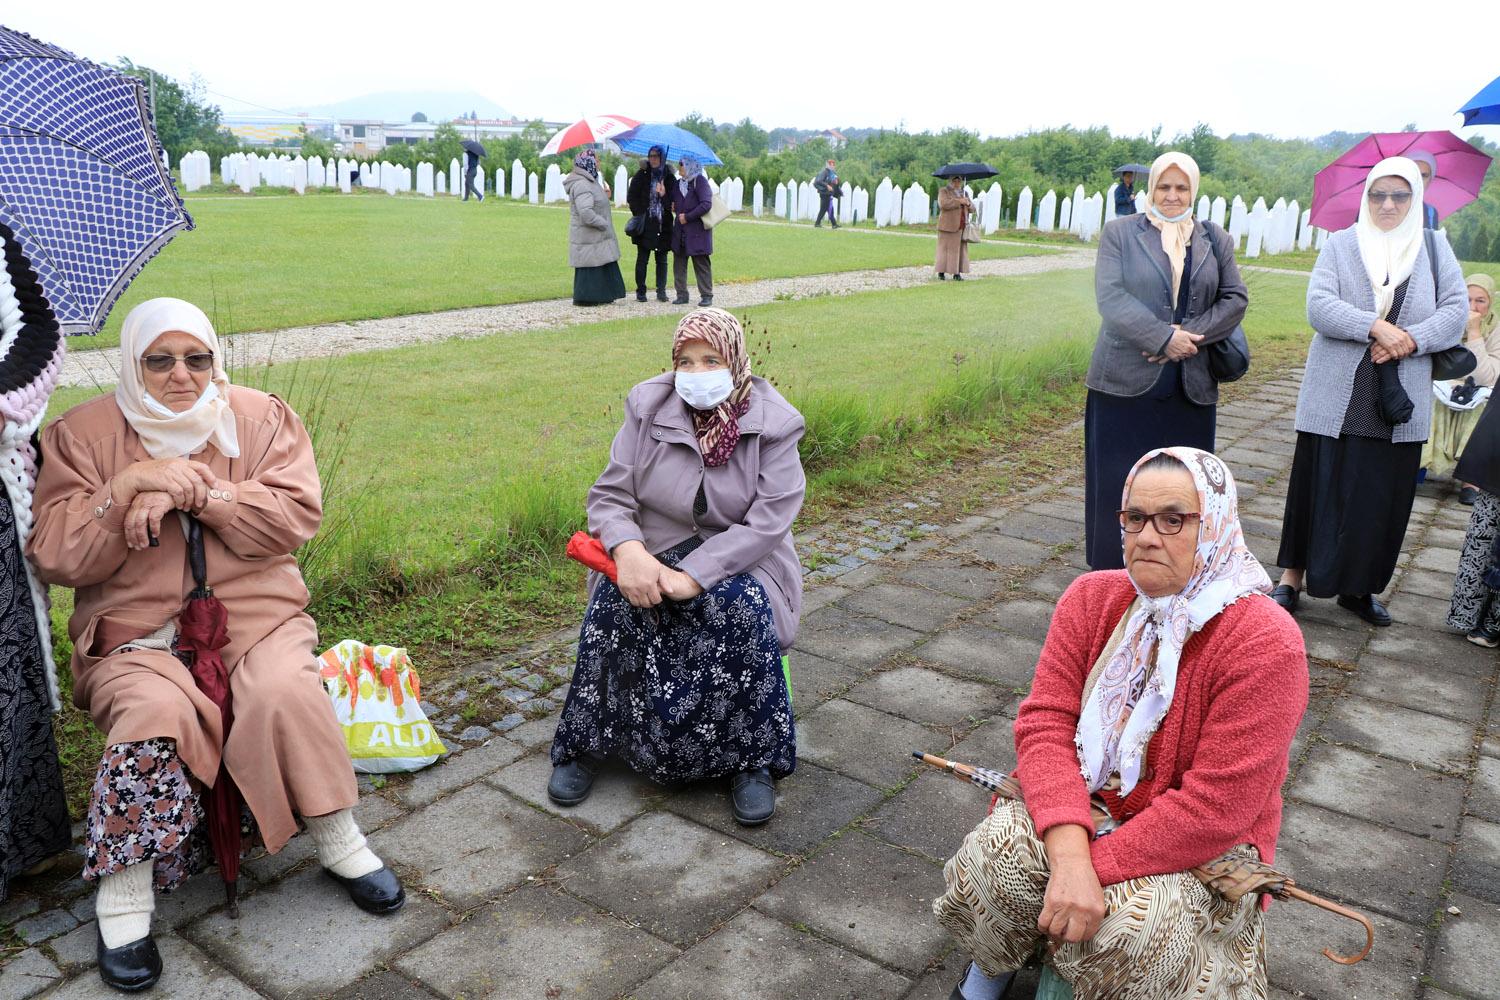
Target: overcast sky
(1291, 69)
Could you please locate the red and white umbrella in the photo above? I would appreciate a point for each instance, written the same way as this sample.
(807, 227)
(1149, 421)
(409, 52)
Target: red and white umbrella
(594, 128)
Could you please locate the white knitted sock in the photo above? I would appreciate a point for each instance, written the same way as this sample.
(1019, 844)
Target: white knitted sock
(124, 902)
(341, 847)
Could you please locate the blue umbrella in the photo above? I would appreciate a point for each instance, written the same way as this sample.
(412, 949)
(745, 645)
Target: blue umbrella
(82, 183)
(678, 142)
(1484, 108)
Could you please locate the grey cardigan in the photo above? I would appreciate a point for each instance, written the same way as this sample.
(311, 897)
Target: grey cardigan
(1133, 288)
(647, 490)
(1341, 309)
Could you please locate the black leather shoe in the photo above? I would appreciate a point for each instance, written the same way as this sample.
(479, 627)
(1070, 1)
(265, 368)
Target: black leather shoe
(1467, 495)
(705, 303)
(571, 782)
(754, 796)
(378, 892)
(661, 296)
(131, 967)
(640, 295)
(1285, 595)
(958, 277)
(1366, 607)
(681, 300)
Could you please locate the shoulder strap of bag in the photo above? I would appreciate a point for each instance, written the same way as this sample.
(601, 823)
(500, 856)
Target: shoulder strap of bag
(1431, 241)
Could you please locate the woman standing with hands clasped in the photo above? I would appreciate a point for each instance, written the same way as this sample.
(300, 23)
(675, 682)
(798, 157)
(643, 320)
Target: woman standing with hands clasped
(1372, 300)
(954, 207)
(650, 199)
(1167, 287)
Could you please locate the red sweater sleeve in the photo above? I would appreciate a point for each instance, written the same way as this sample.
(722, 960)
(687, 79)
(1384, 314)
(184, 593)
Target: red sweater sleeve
(1047, 760)
(1255, 701)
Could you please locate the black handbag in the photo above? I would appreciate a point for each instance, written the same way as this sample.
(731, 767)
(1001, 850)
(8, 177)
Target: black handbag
(635, 225)
(1451, 362)
(1228, 359)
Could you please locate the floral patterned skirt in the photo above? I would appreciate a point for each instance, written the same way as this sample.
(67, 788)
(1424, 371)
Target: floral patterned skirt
(145, 807)
(684, 691)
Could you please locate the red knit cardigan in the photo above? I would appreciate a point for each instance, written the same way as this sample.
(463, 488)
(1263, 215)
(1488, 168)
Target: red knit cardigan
(1214, 768)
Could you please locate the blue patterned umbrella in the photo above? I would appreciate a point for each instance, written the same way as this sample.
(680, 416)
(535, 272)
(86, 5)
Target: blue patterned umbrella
(82, 183)
(678, 142)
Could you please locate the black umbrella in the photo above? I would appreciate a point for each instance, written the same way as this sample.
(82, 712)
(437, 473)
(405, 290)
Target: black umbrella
(471, 146)
(968, 171)
(1132, 168)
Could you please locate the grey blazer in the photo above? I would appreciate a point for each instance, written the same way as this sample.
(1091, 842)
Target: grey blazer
(1133, 287)
(1341, 309)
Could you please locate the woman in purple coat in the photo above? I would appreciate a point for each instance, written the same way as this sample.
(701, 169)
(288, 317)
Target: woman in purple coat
(680, 664)
(690, 237)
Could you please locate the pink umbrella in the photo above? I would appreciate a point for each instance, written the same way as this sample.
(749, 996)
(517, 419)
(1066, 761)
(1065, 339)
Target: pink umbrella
(594, 128)
(1339, 186)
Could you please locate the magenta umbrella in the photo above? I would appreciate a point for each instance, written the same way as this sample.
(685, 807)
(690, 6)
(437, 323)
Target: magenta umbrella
(1339, 186)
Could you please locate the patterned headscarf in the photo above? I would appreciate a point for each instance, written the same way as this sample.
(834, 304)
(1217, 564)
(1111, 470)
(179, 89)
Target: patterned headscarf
(1112, 732)
(691, 170)
(718, 430)
(655, 175)
(588, 162)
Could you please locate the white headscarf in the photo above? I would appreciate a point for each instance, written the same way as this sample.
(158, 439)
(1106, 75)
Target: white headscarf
(1113, 734)
(164, 433)
(1176, 231)
(1390, 257)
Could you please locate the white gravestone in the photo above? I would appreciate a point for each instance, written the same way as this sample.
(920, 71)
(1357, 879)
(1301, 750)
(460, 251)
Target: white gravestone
(424, 179)
(994, 200)
(861, 205)
(883, 203)
(1238, 219)
(1080, 195)
(622, 184)
(916, 208)
(299, 175)
(780, 206)
(1255, 231)
(1065, 215)
(1140, 202)
(1216, 211)
(757, 200)
(517, 180)
(554, 190)
(1109, 203)
(1023, 209)
(499, 183)
(1046, 212)
(793, 201)
(846, 203)
(1204, 206)
(1305, 234)
(531, 188)
(439, 183)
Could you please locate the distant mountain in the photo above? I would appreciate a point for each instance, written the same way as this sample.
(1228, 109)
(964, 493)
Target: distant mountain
(400, 105)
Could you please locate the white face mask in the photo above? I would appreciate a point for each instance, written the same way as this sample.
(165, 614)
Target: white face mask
(705, 390)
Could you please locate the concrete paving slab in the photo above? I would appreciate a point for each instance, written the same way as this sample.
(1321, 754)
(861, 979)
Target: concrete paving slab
(754, 956)
(912, 607)
(1476, 864)
(932, 815)
(984, 654)
(1408, 798)
(1402, 733)
(1424, 686)
(812, 803)
(477, 843)
(1047, 531)
(1484, 799)
(816, 680)
(28, 974)
(452, 773)
(953, 576)
(853, 639)
(861, 742)
(1426, 583)
(1340, 644)
(671, 877)
(1053, 579)
(187, 974)
(537, 943)
(868, 896)
(1003, 549)
(1297, 933)
(619, 794)
(1468, 946)
(1026, 617)
(928, 697)
(384, 986)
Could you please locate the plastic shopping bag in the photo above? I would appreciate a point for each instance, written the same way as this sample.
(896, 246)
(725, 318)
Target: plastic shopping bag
(376, 696)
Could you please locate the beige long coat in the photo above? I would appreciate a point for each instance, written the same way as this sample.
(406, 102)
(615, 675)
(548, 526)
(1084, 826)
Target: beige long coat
(953, 214)
(285, 750)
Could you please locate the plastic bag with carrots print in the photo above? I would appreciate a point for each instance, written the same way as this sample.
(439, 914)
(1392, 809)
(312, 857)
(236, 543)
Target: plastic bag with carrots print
(377, 698)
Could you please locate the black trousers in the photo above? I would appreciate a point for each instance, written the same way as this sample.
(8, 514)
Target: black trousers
(825, 207)
(642, 259)
(469, 184)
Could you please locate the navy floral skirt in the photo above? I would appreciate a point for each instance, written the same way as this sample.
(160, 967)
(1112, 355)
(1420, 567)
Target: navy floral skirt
(682, 692)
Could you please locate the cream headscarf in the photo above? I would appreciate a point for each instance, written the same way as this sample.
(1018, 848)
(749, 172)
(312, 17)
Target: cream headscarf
(1390, 257)
(1481, 280)
(163, 433)
(1175, 232)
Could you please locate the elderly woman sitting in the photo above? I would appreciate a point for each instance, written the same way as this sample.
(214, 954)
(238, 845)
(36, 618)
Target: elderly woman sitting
(1162, 713)
(121, 476)
(679, 665)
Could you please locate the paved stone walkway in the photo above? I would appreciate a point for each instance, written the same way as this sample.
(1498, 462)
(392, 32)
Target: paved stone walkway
(1393, 806)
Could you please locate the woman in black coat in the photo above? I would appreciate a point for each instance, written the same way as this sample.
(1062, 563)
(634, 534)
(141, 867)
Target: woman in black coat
(650, 199)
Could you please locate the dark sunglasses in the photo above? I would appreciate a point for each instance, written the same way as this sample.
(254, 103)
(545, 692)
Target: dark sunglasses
(1399, 197)
(163, 363)
(1166, 522)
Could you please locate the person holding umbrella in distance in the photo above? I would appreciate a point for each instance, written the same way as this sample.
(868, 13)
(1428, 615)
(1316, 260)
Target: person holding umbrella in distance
(954, 211)
(1125, 190)
(127, 480)
(473, 153)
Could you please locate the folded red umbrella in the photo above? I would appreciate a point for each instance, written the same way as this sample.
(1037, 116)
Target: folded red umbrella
(587, 549)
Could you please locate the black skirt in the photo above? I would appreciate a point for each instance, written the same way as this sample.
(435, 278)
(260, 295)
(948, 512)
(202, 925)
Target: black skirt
(594, 286)
(1347, 504)
(1118, 430)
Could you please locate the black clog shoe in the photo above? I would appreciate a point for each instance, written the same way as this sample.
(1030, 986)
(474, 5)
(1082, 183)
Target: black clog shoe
(1285, 595)
(1367, 607)
(571, 783)
(378, 892)
(131, 967)
(753, 795)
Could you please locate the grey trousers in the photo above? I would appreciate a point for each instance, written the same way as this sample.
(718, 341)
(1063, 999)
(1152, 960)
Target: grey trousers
(703, 271)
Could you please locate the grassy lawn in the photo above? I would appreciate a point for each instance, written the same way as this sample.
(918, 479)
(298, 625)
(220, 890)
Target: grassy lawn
(269, 262)
(1303, 260)
(456, 470)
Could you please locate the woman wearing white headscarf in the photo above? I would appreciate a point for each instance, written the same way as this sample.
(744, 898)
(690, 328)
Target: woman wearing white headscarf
(1155, 739)
(120, 474)
(1376, 297)
(1167, 287)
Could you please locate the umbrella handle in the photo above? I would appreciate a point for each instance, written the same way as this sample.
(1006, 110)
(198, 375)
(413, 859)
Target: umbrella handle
(1291, 891)
(196, 559)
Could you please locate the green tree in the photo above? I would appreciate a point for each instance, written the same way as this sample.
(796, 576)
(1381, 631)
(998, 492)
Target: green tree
(312, 145)
(750, 140)
(700, 126)
(184, 119)
(1202, 145)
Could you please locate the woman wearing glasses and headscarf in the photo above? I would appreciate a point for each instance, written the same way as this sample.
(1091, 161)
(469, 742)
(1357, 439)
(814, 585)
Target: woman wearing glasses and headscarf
(1167, 287)
(680, 670)
(1372, 301)
(650, 199)
(691, 240)
(120, 474)
(1155, 739)
(593, 249)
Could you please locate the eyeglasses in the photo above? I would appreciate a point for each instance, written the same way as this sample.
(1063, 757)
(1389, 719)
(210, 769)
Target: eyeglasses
(1399, 197)
(163, 363)
(1166, 522)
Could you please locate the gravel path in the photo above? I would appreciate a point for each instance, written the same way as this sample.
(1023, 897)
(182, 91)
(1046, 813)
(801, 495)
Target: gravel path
(98, 368)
